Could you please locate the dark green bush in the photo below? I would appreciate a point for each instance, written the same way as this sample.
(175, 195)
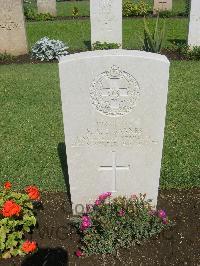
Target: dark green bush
(187, 7)
(166, 14)
(105, 46)
(31, 14)
(191, 53)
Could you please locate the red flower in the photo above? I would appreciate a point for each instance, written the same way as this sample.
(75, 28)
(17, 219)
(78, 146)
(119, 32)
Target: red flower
(29, 246)
(79, 253)
(10, 208)
(7, 185)
(33, 192)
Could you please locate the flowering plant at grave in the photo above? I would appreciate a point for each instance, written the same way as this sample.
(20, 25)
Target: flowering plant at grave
(17, 217)
(47, 49)
(112, 223)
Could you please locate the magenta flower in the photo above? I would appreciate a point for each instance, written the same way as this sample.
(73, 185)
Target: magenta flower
(79, 253)
(97, 202)
(86, 222)
(121, 212)
(162, 214)
(85, 218)
(104, 196)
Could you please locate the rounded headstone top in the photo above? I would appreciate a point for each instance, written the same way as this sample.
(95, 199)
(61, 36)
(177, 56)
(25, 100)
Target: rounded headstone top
(114, 52)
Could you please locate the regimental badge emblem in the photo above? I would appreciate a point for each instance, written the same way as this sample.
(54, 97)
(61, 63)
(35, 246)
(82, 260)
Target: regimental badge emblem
(114, 92)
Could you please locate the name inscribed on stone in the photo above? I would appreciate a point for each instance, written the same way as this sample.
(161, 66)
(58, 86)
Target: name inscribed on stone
(112, 134)
(105, 10)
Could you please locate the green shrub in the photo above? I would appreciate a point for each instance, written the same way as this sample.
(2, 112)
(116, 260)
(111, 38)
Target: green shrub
(166, 14)
(180, 47)
(75, 12)
(127, 9)
(17, 217)
(6, 57)
(31, 14)
(192, 53)
(48, 49)
(135, 9)
(44, 17)
(105, 46)
(187, 7)
(110, 224)
(153, 42)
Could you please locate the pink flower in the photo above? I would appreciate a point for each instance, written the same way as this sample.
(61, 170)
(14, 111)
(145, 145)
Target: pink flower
(97, 202)
(79, 253)
(86, 222)
(104, 196)
(121, 212)
(162, 214)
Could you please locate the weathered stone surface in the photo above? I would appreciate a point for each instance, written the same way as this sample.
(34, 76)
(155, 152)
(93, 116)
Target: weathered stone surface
(12, 28)
(113, 106)
(162, 5)
(194, 25)
(106, 21)
(47, 6)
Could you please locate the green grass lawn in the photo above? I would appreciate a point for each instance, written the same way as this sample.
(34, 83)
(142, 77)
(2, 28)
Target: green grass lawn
(32, 129)
(76, 33)
(65, 8)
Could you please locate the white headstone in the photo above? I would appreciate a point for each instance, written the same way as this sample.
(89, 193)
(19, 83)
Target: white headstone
(194, 25)
(162, 5)
(106, 21)
(114, 105)
(47, 6)
(12, 28)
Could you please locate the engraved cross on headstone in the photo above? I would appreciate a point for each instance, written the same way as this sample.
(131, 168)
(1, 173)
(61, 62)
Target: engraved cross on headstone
(114, 89)
(114, 168)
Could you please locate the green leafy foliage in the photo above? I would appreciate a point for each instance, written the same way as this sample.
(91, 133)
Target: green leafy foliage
(31, 14)
(153, 42)
(14, 227)
(190, 53)
(187, 7)
(75, 12)
(120, 222)
(134, 9)
(105, 46)
(166, 14)
(5, 57)
(194, 53)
